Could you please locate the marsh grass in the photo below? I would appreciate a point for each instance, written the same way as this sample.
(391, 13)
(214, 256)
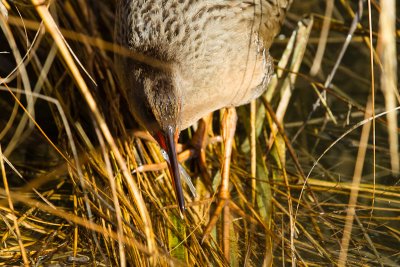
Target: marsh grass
(81, 184)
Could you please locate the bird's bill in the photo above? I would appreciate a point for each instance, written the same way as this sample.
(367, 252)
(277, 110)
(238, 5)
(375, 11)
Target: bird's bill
(167, 142)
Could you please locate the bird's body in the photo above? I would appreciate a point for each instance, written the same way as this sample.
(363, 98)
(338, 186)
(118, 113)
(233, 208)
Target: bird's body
(217, 52)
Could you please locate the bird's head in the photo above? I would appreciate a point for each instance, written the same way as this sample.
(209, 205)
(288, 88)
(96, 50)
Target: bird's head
(163, 102)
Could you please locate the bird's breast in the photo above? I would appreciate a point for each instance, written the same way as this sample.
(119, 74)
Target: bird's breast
(231, 76)
(218, 55)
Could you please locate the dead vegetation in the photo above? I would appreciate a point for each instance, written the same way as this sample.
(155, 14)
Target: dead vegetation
(315, 169)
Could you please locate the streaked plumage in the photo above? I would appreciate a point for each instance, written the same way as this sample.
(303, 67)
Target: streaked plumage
(217, 52)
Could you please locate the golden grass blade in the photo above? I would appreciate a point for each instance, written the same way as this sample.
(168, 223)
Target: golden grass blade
(76, 206)
(323, 38)
(371, 55)
(53, 29)
(351, 212)
(11, 205)
(301, 43)
(27, 87)
(387, 42)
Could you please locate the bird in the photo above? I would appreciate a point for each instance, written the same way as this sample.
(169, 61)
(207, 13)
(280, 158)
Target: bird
(214, 54)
